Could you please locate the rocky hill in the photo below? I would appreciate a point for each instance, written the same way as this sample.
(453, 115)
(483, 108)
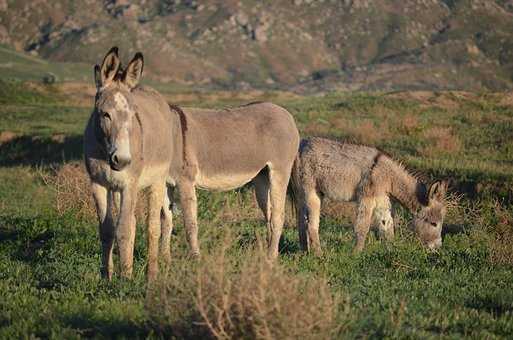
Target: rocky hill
(297, 44)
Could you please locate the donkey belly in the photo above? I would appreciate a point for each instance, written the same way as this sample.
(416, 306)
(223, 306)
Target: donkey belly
(339, 188)
(224, 181)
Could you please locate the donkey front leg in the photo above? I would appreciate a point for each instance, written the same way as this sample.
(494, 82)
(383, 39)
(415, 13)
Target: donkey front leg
(156, 199)
(366, 206)
(190, 215)
(103, 200)
(125, 230)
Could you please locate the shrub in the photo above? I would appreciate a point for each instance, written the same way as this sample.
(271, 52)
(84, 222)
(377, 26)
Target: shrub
(72, 192)
(257, 299)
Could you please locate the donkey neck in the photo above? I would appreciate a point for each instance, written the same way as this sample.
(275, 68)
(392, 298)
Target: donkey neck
(407, 189)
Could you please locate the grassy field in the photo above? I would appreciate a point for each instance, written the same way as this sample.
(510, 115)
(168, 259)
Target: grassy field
(49, 247)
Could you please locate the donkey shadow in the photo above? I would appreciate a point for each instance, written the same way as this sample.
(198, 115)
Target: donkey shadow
(35, 151)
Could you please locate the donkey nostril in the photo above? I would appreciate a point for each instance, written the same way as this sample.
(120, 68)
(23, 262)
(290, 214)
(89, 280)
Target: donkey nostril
(115, 159)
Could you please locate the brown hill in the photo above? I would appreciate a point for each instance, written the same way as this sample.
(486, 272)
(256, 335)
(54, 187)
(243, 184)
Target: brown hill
(299, 44)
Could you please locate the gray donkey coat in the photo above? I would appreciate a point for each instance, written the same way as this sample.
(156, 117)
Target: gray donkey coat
(135, 140)
(361, 174)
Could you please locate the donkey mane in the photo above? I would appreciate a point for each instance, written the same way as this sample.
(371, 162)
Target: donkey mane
(401, 181)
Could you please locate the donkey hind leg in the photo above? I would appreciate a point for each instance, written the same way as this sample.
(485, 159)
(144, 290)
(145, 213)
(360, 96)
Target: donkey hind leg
(301, 218)
(190, 215)
(262, 193)
(125, 230)
(166, 220)
(104, 205)
(278, 181)
(313, 213)
(366, 206)
(157, 194)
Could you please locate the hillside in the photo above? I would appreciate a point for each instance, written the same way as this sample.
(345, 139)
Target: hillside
(298, 44)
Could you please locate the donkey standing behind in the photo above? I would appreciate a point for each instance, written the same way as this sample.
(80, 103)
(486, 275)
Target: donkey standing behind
(349, 172)
(134, 140)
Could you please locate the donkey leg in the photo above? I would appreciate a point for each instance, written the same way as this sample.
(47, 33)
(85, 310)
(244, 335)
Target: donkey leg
(278, 182)
(166, 220)
(302, 221)
(157, 193)
(261, 183)
(313, 210)
(366, 206)
(103, 202)
(125, 231)
(190, 215)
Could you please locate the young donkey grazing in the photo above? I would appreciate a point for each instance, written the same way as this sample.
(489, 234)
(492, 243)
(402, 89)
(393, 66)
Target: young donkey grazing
(134, 140)
(348, 172)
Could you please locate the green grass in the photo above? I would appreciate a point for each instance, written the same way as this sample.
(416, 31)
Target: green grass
(49, 263)
(21, 66)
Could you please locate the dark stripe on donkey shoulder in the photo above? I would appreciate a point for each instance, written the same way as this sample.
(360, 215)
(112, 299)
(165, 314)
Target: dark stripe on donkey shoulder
(183, 126)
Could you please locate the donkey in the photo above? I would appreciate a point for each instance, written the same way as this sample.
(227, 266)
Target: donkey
(134, 139)
(365, 175)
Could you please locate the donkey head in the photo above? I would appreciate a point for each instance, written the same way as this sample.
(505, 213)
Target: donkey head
(114, 108)
(429, 219)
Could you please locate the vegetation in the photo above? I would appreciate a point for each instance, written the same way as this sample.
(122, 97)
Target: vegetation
(49, 247)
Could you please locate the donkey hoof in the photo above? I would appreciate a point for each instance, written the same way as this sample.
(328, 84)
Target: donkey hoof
(357, 250)
(317, 253)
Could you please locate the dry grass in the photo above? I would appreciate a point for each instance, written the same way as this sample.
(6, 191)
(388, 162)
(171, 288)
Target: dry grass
(253, 299)
(501, 249)
(440, 140)
(409, 123)
(365, 131)
(70, 184)
(72, 192)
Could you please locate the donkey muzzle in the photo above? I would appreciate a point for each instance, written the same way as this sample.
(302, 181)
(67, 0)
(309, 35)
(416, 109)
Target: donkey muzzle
(119, 161)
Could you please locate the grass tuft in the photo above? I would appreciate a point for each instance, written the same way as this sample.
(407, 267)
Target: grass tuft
(227, 298)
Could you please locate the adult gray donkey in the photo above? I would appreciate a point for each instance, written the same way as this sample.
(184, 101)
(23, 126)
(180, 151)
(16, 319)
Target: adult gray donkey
(135, 140)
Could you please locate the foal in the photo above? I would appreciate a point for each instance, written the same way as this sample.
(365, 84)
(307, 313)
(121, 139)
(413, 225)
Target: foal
(361, 174)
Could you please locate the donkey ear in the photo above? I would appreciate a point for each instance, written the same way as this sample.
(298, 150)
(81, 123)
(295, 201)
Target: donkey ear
(133, 71)
(97, 77)
(110, 66)
(437, 191)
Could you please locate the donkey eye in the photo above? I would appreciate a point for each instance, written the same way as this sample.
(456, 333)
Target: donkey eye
(434, 224)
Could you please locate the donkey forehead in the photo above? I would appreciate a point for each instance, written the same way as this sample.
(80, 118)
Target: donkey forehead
(113, 100)
(435, 213)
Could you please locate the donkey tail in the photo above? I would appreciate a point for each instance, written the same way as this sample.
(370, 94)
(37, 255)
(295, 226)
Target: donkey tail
(294, 186)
